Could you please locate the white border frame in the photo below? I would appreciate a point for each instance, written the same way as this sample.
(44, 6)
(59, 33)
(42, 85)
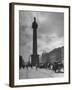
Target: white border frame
(16, 45)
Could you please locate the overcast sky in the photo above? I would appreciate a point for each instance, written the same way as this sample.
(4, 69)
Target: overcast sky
(50, 32)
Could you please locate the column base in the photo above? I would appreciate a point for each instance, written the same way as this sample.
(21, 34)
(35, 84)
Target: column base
(34, 60)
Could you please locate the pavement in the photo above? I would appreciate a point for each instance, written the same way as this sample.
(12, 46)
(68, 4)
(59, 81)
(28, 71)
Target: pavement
(31, 73)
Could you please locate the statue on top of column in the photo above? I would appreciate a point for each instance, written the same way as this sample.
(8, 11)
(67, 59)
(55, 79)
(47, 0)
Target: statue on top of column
(34, 24)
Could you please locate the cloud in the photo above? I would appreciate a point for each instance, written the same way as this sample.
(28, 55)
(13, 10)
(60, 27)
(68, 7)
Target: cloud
(49, 42)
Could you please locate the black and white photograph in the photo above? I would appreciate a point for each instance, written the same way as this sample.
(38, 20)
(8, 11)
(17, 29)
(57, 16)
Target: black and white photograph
(39, 44)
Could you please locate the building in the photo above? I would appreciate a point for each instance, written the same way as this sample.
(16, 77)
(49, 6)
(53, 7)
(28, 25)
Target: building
(56, 55)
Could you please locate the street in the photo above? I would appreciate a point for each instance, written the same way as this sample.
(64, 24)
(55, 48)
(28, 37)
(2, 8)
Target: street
(37, 73)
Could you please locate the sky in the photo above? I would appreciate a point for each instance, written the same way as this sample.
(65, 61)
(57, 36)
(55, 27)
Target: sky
(50, 32)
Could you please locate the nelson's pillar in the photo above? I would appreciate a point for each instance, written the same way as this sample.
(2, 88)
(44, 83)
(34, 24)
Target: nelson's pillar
(34, 56)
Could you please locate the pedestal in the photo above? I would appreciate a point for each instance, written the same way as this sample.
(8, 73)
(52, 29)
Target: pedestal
(34, 60)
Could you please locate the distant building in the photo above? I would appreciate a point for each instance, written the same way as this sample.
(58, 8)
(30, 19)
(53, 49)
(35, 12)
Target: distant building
(56, 55)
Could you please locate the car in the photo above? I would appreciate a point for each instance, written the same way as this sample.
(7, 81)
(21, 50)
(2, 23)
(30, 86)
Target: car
(41, 66)
(58, 67)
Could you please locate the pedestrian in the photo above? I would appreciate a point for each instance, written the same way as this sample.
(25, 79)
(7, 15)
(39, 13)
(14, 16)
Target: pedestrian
(36, 66)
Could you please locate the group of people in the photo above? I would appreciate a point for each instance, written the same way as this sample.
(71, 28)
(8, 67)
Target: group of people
(22, 64)
(56, 66)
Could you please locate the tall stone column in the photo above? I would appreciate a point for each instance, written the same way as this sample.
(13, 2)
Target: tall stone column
(34, 56)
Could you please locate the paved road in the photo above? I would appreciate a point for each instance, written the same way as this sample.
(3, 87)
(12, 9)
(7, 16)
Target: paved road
(38, 73)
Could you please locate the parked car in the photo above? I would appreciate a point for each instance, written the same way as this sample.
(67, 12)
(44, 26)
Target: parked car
(58, 67)
(41, 65)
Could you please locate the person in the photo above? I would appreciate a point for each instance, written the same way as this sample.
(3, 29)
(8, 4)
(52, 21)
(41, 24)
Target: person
(27, 66)
(31, 65)
(36, 66)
